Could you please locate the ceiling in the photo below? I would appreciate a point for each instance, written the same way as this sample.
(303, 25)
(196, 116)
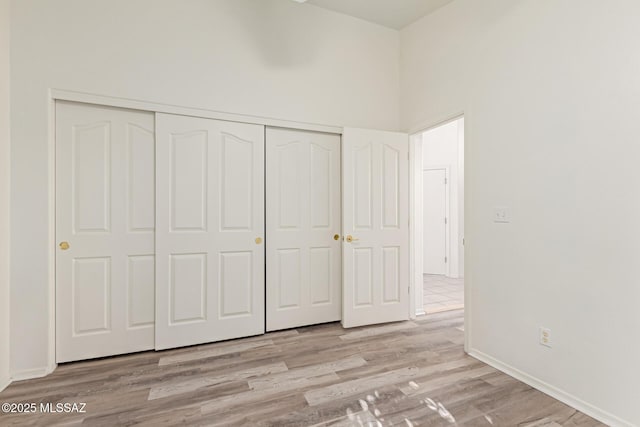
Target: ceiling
(395, 14)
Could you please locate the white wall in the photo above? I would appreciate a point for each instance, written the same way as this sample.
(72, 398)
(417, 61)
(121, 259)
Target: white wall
(551, 95)
(4, 192)
(271, 58)
(443, 146)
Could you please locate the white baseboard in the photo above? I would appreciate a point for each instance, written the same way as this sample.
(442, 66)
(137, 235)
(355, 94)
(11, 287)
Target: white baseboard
(420, 312)
(30, 374)
(562, 396)
(4, 382)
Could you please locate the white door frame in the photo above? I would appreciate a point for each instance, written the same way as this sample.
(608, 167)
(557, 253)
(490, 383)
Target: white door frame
(415, 227)
(447, 214)
(54, 95)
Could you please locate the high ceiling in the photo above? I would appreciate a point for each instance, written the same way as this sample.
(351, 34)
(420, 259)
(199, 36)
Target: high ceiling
(395, 14)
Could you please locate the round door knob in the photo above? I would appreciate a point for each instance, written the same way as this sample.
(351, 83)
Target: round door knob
(64, 245)
(258, 240)
(336, 236)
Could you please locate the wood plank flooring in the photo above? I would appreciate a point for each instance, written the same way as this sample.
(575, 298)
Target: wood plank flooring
(403, 374)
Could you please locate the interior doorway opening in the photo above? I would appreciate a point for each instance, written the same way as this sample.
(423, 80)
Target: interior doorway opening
(439, 231)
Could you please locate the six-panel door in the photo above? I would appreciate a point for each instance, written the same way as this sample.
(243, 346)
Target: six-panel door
(304, 265)
(210, 230)
(105, 231)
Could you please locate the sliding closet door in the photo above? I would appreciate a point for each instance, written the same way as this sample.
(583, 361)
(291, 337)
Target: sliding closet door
(304, 265)
(210, 227)
(105, 231)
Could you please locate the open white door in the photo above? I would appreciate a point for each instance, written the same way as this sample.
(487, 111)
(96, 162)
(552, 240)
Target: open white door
(375, 201)
(210, 226)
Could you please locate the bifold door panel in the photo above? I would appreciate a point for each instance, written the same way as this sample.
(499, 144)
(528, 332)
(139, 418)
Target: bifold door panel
(105, 224)
(303, 244)
(375, 192)
(210, 230)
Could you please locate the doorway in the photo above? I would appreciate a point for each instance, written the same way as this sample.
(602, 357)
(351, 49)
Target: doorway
(440, 188)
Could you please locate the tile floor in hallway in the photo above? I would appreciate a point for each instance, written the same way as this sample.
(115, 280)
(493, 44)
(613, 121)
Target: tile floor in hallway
(442, 293)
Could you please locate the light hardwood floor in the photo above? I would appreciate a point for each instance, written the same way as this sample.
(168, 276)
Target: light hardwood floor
(404, 374)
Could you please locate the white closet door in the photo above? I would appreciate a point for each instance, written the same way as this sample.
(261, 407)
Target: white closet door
(375, 173)
(304, 267)
(105, 220)
(210, 226)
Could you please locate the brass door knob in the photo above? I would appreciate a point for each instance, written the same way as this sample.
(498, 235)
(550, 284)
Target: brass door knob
(64, 245)
(258, 240)
(350, 238)
(336, 237)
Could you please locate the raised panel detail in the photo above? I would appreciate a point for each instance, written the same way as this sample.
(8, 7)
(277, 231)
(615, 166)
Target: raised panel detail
(237, 183)
(289, 270)
(141, 290)
(189, 181)
(363, 197)
(320, 162)
(391, 187)
(391, 274)
(235, 283)
(141, 178)
(363, 280)
(91, 178)
(320, 275)
(289, 181)
(91, 295)
(188, 288)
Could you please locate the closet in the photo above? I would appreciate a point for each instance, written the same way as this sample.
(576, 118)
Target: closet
(176, 230)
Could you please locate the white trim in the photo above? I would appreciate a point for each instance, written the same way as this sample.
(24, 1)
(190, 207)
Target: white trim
(447, 214)
(461, 198)
(468, 279)
(416, 294)
(30, 374)
(134, 104)
(556, 393)
(4, 383)
(51, 356)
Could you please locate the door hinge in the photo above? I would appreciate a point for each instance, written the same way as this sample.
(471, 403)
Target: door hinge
(445, 220)
(445, 260)
(445, 180)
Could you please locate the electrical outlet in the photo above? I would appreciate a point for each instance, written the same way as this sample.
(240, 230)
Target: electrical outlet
(545, 337)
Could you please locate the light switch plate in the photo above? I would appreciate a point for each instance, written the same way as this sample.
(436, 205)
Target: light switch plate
(545, 337)
(501, 215)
